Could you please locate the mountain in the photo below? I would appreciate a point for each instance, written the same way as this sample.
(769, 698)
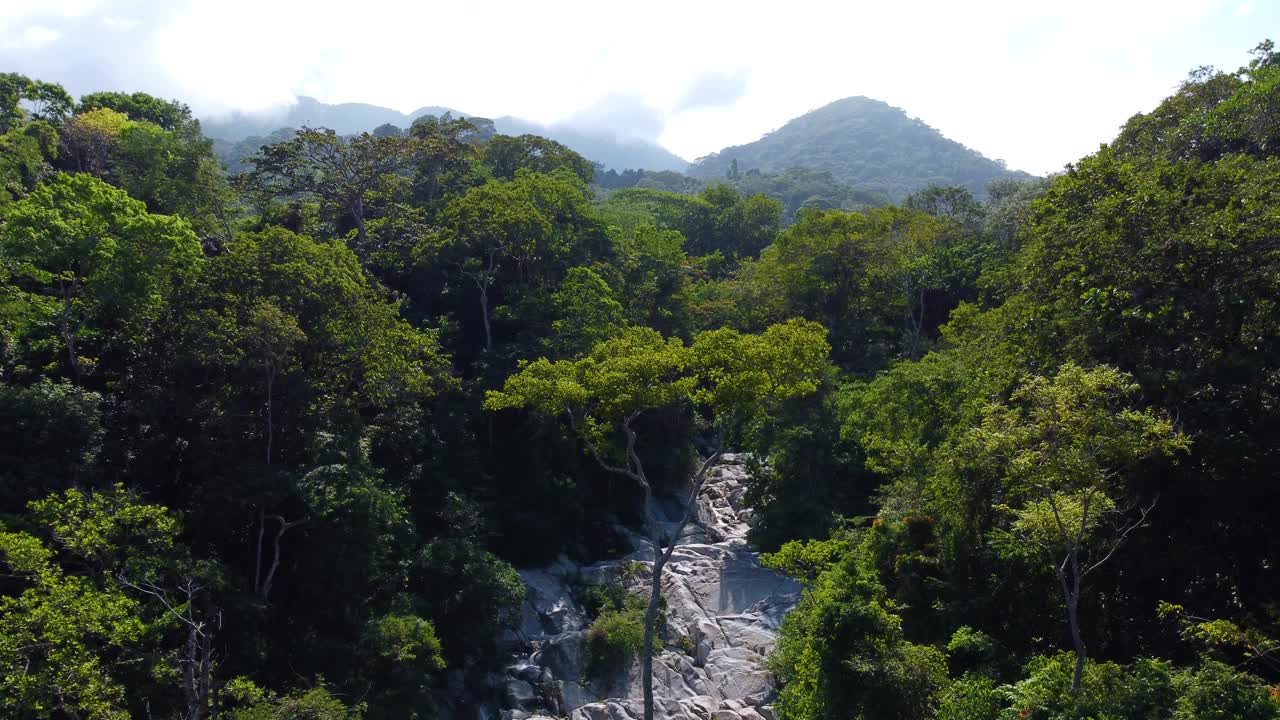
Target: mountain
(867, 144)
(345, 118)
(604, 147)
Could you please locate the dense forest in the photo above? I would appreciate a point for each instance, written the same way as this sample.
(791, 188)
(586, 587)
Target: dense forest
(274, 443)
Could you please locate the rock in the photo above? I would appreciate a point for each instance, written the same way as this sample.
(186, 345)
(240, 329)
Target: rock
(518, 694)
(701, 653)
(527, 672)
(549, 604)
(562, 655)
(718, 596)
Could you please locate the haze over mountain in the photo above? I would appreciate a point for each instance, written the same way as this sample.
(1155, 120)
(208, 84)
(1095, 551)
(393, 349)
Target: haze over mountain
(613, 148)
(345, 118)
(862, 142)
(1079, 69)
(867, 144)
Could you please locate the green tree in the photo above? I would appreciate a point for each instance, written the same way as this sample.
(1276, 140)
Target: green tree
(47, 101)
(51, 436)
(512, 235)
(25, 155)
(94, 266)
(1064, 444)
(307, 349)
(842, 652)
(506, 156)
(447, 157)
(649, 274)
(1154, 256)
(586, 311)
(139, 106)
(71, 633)
(341, 173)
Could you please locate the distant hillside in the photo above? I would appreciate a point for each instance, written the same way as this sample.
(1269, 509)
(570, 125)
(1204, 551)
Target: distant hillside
(349, 118)
(865, 143)
(599, 146)
(344, 118)
(796, 188)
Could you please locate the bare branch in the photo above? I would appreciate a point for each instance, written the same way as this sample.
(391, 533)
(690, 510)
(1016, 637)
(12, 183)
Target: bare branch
(285, 526)
(595, 451)
(1123, 534)
(691, 504)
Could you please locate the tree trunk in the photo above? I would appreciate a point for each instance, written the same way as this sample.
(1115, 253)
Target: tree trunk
(1077, 638)
(661, 555)
(257, 562)
(69, 337)
(357, 212)
(275, 558)
(484, 314)
(189, 675)
(650, 626)
(271, 428)
(1073, 622)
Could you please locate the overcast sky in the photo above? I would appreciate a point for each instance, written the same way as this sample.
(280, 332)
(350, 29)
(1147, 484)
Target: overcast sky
(1038, 84)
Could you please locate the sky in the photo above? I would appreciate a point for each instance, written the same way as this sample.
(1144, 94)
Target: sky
(1037, 84)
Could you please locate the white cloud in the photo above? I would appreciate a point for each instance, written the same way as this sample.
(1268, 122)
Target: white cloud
(32, 37)
(1038, 85)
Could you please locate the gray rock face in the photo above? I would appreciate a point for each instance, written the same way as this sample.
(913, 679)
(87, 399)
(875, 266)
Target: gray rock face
(723, 616)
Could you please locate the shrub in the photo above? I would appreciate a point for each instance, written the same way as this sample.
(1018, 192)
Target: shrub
(1144, 689)
(972, 697)
(1215, 691)
(406, 640)
(841, 653)
(1147, 688)
(970, 650)
(314, 704)
(599, 598)
(612, 641)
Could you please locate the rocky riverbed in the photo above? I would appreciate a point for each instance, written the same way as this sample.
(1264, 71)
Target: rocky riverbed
(723, 613)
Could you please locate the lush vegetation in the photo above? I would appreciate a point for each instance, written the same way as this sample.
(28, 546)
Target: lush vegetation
(796, 188)
(272, 444)
(1072, 484)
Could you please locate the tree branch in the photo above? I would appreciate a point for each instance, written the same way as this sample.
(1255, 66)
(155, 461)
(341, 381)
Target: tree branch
(1125, 533)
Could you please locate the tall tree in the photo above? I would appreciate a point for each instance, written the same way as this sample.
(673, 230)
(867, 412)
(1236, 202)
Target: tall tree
(506, 155)
(341, 173)
(1064, 445)
(94, 265)
(139, 106)
(521, 233)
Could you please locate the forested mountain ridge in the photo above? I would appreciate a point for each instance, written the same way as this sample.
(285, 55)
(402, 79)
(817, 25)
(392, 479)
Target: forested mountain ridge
(864, 143)
(606, 147)
(343, 118)
(273, 445)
